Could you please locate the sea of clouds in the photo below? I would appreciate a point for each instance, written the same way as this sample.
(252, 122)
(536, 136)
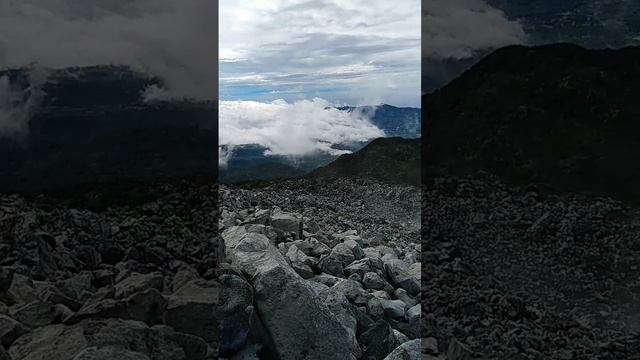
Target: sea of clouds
(291, 128)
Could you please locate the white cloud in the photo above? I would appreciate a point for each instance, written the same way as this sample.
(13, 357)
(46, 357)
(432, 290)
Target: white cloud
(17, 105)
(459, 29)
(171, 39)
(296, 128)
(328, 47)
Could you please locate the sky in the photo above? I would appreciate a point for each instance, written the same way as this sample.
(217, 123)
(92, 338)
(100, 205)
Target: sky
(355, 52)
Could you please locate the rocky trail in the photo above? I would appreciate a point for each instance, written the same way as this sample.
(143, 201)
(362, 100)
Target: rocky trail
(131, 281)
(519, 273)
(320, 269)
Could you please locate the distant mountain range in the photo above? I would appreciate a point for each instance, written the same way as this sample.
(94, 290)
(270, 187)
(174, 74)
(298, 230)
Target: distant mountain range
(593, 24)
(249, 162)
(93, 125)
(559, 115)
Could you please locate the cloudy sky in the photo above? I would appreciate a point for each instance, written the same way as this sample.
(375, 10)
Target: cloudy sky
(171, 39)
(343, 51)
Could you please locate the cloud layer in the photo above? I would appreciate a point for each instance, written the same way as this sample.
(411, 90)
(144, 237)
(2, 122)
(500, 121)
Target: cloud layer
(460, 29)
(296, 128)
(171, 39)
(347, 51)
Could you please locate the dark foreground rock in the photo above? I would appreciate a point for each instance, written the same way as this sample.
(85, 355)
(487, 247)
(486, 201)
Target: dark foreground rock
(520, 273)
(127, 281)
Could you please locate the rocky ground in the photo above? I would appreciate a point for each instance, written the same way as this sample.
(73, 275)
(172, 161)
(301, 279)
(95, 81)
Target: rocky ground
(130, 281)
(520, 273)
(320, 269)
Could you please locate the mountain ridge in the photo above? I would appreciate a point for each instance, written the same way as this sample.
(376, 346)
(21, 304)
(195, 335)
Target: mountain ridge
(557, 114)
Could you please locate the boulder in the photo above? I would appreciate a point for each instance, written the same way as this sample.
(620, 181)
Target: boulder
(301, 326)
(413, 315)
(409, 350)
(147, 306)
(326, 279)
(35, 314)
(10, 330)
(318, 248)
(458, 351)
(184, 275)
(343, 253)
(401, 294)
(341, 308)
(137, 282)
(353, 290)
(331, 265)
(300, 262)
(379, 341)
(3, 354)
(373, 281)
(192, 309)
(54, 296)
(355, 248)
(22, 290)
(194, 347)
(393, 308)
(287, 222)
(401, 276)
(6, 278)
(364, 266)
(102, 309)
(235, 312)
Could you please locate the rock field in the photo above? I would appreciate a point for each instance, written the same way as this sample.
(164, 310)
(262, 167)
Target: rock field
(132, 282)
(311, 269)
(320, 269)
(521, 273)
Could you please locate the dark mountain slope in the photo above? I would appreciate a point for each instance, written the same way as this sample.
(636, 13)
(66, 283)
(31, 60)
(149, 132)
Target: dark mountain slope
(392, 160)
(557, 114)
(92, 125)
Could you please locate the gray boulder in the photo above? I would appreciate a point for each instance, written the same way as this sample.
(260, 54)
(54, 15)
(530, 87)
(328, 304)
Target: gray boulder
(192, 309)
(35, 314)
(373, 281)
(300, 262)
(138, 282)
(401, 276)
(301, 326)
(393, 308)
(343, 253)
(10, 330)
(147, 306)
(331, 265)
(287, 222)
(409, 350)
(379, 341)
(235, 312)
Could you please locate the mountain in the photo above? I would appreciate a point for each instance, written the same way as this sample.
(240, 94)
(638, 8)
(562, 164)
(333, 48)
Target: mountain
(391, 160)
(559, 114)
(91, 124)
(394, 121)
(596, 24)
(248, 162)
